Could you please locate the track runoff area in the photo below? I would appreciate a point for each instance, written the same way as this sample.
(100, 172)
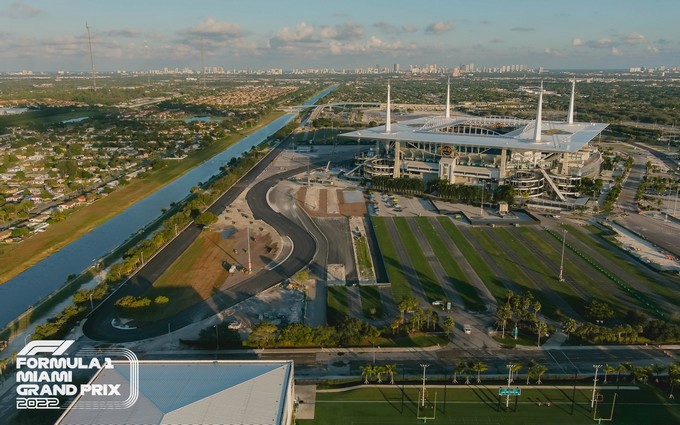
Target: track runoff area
(482, 404)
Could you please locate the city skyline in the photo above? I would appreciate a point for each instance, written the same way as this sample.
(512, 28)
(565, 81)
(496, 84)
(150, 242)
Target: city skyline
(50, 36)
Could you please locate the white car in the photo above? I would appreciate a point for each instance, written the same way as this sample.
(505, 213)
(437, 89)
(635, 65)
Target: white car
(467, 329)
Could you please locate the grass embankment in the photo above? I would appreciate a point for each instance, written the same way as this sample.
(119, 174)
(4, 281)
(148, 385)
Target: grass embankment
(364, 258)
(474, 404)
(338, 304)
(625, 263)
(574, 270)
(371, 304)
(514, 271)
(465, 289)
(399, 282)
(476, 261)
(428, 280)
(18, 257)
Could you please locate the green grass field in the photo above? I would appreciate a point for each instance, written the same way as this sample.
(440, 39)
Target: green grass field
(576, 271)
(599, 242)
(467, 405)
(478, 264)
(364, 258)
(427, 278)
(549, 276)
(398, 281)
(338, 304)
(467, 292)
(371, 304)
(514, 271)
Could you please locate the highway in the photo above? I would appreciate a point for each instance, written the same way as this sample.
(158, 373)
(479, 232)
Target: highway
(98, 325)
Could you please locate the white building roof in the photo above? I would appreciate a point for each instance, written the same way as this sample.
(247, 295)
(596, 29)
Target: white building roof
(556, 136)
(187, 392)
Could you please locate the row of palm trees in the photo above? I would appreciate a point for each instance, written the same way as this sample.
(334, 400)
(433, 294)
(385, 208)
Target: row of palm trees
(462, 369)
(370, 371)
(535, 371)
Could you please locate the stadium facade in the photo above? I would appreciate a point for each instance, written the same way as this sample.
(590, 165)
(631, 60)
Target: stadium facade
(540, 159)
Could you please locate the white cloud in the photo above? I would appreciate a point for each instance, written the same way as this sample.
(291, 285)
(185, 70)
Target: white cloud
(616, 52)
(217, 30)
(127, 33)
(388, 28)
(652, 49)
(346, 31)
(635, 38)
(439, 27)
(576, 42)
(553, 52)
(523, 29)
(19, 10)
(302, 33)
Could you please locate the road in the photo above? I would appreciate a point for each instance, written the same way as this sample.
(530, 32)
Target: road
(98, 325)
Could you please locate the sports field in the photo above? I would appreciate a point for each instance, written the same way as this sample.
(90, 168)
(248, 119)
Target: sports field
(480, 405)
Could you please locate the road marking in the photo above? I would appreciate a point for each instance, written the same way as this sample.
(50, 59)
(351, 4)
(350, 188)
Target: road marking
(555, 360)
(572, 363)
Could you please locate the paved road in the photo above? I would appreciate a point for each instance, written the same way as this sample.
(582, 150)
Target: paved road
(98, 325)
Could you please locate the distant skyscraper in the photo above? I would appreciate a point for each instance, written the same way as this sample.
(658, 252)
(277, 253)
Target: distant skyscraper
(396, 68)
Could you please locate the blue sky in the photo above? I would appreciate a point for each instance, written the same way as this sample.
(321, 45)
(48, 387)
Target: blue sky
(142, 34)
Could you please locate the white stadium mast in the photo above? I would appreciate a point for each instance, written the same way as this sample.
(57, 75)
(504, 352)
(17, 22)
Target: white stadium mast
(539, 115)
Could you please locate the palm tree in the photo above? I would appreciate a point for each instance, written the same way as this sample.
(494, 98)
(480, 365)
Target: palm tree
(607, 370)
(541, 328)
(479, 367)
(458, 370)
(503, 314)
(367, 372)
(516, 367)
(390, 369)
(531, 370)
(449, 324)
(570, 326)
(467, 371)
(396, 323)
(539, 370)
(621, 368)
(537, 308)
(379, 370)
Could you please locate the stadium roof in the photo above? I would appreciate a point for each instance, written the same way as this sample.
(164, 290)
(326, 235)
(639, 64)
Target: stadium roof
(556, 136)
(213, 392)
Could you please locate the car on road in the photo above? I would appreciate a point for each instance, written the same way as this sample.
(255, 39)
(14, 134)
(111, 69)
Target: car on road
(467, 329)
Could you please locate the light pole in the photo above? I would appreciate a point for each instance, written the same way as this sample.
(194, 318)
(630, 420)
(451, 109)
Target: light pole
(424, 366)
(510, 366)
(26, 339)
(217, 337)
(564, 241)
(91, 303)
(250, 264)
(592, 401)
(481, 205)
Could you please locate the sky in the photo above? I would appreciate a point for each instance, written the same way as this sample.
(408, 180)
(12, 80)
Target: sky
(50, 35)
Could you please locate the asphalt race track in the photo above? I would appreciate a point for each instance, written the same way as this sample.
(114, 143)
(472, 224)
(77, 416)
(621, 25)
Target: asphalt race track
(98, 324)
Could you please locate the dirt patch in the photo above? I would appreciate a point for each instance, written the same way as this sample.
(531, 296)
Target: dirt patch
(347, 209)
(351, 209)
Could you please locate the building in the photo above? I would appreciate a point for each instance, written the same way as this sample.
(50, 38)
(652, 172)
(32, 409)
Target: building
(540, 159)
(183, 392)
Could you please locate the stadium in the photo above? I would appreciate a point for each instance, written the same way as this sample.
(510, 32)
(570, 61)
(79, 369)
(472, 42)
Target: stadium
(541, 159)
